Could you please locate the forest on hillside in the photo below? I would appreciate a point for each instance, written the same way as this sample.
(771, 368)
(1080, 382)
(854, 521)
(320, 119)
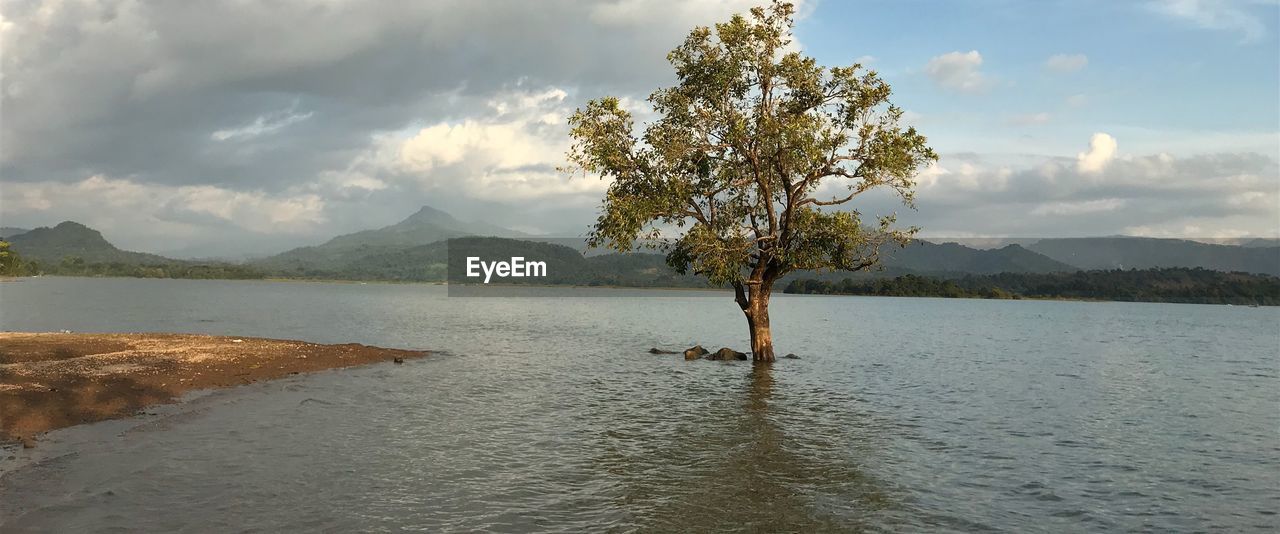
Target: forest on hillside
(1199, 286)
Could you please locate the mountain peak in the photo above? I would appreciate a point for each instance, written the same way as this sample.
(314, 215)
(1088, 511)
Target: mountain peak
(428, 214)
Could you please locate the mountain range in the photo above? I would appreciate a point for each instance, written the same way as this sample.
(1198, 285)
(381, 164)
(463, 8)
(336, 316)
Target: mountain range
(345, 252)
(415, 249)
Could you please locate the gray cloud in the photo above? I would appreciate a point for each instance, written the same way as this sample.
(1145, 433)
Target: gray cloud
(279, 99)
(1211, 195)
(129, 88)
(225, 126)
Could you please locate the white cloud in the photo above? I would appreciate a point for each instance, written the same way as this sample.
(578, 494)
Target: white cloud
(155, 209)
(1102, 149)
(1223, 15)
(962, 174)
(1077, 100)
(1151, 194)
(1030, 119)
(1079, 207)
(1065, 63)
(646, 13)
(958, 71)
(264, 124)
(511, 154)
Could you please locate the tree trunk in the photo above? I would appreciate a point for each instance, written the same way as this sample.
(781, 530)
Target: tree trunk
(757, 312)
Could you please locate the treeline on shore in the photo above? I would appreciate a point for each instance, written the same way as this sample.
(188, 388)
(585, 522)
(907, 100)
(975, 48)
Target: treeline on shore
(11, 264)
(1174, 284)
(426, 264)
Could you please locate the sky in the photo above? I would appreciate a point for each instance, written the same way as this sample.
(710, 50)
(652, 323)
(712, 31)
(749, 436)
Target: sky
(225, 127)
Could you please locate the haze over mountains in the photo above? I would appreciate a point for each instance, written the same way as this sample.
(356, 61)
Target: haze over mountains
(414, 249)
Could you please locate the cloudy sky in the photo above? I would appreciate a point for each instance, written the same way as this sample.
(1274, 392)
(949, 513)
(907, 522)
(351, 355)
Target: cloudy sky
(229, 126)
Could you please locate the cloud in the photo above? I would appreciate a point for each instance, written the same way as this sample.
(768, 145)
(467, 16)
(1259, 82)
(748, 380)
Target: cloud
(141, 89)
(958, 71)
(1079, 207)
(1222, 15)
(1030, 119)
(511, 152)
(1102, 149)
(287, 99)
(144, 214)
(1219, 195)
(184, 124)
(264, 124)
(1066, 63)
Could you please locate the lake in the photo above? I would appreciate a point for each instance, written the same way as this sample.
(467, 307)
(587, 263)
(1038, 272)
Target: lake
(547, 414)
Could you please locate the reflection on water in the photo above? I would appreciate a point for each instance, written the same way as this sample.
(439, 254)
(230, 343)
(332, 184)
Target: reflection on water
(549, 415)
(732, 467)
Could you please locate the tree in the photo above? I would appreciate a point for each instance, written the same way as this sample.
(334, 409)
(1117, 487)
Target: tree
(10, 262)
(748, 148)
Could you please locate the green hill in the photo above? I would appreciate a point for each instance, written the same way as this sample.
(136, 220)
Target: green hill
(427, 226)
(926, 257)
(1145, 253)
(72, 239)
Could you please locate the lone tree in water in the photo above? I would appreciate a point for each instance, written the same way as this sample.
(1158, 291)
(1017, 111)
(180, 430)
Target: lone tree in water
(748, 148)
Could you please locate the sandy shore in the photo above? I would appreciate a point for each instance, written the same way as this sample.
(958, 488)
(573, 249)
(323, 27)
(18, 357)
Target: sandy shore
(49, 381)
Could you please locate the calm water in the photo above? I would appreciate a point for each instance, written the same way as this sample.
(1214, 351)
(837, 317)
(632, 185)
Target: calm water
(546, 414)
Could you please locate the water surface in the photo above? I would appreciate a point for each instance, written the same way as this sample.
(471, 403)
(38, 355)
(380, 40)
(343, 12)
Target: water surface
(546, 414)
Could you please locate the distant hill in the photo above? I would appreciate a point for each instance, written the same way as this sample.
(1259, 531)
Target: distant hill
(1143, 253)
(926, 257)
(50, 245)
(9, 231)
(1260, 242)
(428, 225)
(430, 263)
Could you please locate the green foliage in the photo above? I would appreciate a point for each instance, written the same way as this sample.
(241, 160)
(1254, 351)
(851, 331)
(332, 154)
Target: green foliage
(743, 147)
(10, 263)
(51, 245)
(1150, 285)
(77, 266)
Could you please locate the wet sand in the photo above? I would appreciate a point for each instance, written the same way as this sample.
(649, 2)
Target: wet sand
(54, 380)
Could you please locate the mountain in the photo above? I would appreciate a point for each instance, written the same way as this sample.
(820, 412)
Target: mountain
(934, 258)
(9, 231)
(428, 225)
(1260, 242)
(51, 245)
(443, 260)
(1144, 253)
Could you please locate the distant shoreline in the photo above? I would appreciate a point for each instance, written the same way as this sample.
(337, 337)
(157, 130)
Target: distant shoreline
(54, 380)
(778, 290)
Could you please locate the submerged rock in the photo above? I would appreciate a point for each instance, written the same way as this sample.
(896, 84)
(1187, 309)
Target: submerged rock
(791, 357)
(657, 350)
(694, 352)
(726, 353)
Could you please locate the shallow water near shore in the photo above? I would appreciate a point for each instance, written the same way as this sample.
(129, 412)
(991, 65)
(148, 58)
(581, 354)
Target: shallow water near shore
(547, 414)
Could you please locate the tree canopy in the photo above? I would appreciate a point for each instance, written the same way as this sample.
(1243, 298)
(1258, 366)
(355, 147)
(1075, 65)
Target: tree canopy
(749, 146)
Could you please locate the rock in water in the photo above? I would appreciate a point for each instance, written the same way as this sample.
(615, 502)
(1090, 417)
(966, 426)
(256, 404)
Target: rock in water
(791, 357)
(726, 353)
(657, 350)
(694, 352)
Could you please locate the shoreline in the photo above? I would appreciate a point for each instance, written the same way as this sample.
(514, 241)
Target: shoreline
(55, 380)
